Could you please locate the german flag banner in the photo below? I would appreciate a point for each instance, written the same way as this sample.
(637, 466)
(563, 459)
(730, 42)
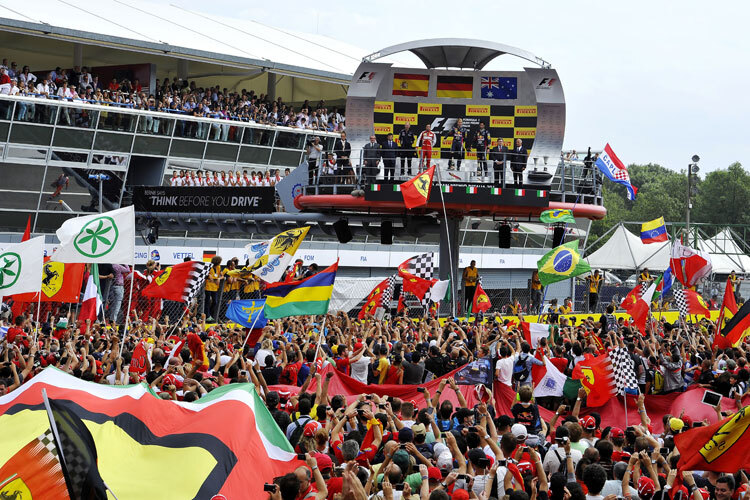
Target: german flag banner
(455, 86)
(411, 84)
(225, 443)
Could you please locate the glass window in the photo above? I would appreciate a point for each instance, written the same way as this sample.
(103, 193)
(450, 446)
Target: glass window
(77, 117)
(68, 138)
(224, 132)
(189, 129)
(286, 158)
(151, 145)
(112, 142)
(187, 149)
(69, 156)
(258, 136)
(120, 122)
(290, 140)
(250, 154)
(222, 152)
(35, 113)
(31, 134)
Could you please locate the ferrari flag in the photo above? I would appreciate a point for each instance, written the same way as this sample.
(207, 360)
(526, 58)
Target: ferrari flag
(60, 283)
(721, 447)
(481, 300)
(597, 377)
(227, 443)
(175, 282)
(416, 191)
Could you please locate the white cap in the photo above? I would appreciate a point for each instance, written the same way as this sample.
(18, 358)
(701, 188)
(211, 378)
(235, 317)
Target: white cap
(519, 430)
(445, 461)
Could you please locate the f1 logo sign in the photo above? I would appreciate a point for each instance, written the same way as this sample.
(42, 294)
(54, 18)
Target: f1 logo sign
(546, 83)
(367, 75)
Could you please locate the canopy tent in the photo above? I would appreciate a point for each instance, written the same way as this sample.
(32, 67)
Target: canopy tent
(726, 254)
(624, 250)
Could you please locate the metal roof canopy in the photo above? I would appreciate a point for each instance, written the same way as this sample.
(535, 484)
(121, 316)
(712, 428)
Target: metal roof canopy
(456, 53)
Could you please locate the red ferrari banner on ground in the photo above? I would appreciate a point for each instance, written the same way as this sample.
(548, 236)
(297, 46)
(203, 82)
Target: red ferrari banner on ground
(721, 447)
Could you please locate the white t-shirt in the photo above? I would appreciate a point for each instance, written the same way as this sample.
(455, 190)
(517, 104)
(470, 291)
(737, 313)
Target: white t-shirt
(260, 357)
(505, 366)
(359, 369)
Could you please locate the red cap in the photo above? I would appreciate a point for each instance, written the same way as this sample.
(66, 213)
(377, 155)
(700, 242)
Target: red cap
(588, 422)
(646, 486)
(310, 429)
(433, 474)
(324, 461)
(616, 432)
(358, 346)
(460, 495)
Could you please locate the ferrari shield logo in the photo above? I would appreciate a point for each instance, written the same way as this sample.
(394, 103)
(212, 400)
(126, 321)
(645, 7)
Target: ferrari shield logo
(725, 437)
(52, 278)
(13, 488)
(163, 277)
(482, 298)
(422, 183)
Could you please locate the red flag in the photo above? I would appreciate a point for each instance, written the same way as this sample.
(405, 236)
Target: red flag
(481, 300)
(27, 233)
(401, 304)
(416, 191)
(198, 353)
(139, 362)
(374, 299)
(414, 285)
(632, 297)
(173, 283)
(597, 377)
(721, 447)
(694, 302)
(728, 310)
(60, 283)
(689, 265)
(641, 310)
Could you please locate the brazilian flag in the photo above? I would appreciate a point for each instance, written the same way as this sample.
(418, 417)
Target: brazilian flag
(561, 263)
(562, 215)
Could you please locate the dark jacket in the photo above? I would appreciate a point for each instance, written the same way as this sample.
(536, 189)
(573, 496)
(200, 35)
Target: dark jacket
(341, 148)
(371, 151)
(499, 153)
(389, 151)
(518, 158)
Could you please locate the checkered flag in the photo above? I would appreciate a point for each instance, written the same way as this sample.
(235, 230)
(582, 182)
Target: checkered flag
(385, 302)
(198, 278)
(421, 266)
(680, 301)
(622, 365)
(48, 441)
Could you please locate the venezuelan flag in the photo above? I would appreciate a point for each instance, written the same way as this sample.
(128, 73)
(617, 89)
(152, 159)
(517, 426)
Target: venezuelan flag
(299, 298)
(654, 231)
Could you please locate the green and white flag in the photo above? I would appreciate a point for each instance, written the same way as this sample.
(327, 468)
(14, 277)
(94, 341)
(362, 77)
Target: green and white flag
(21, 267)
(440, 291)
(107, 238)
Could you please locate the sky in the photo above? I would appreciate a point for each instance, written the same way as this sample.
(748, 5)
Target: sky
(659, 80)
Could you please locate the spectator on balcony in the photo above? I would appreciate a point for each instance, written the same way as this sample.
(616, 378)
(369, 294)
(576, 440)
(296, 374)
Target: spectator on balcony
(388, 152)
(371, 157)
(314, 155)
(343, 151)
(13, 70)
(5, 82)
(14, 88)
(27, 77)
(176, 180)
(113, 85)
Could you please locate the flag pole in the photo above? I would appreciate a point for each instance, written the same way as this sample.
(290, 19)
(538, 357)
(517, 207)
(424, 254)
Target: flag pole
(625, 401)
(38, 307)
(127, 311)
(448, 242)
(251, 330)
(320, 337)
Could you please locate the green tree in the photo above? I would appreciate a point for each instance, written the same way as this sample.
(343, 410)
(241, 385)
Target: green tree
(723, 197)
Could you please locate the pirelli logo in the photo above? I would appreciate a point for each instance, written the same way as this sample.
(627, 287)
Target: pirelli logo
(502, 121)
(445, 142)
(383, 128)
(402, 118)
(477, 110)
(525, 111)
(524, 133)
(494, 142)
(384, 106)
(430, 109)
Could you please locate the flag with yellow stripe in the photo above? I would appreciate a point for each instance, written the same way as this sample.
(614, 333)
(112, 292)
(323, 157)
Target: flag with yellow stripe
(309, 296)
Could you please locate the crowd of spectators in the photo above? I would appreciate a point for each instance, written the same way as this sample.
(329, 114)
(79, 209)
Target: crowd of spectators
(168, 95)
(200, 178)
(382, 447)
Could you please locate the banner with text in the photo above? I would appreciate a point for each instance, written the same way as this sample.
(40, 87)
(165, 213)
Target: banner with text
(204, 199)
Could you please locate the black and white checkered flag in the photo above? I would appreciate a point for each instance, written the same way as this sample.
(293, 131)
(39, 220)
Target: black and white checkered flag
(388, 293)
(680, 301)
(199, 275)
(622, 365)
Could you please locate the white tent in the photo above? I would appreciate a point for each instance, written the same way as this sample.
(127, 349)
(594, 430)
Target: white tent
(624, 250)
(726, 254)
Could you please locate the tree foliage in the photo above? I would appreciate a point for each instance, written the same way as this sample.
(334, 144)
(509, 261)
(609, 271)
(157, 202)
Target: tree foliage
(722, 197)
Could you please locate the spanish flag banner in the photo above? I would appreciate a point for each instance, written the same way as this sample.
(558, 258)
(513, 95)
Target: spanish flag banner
(411, 84)
(455, 86)
(227, 443)
(309, 296)
(416, 191)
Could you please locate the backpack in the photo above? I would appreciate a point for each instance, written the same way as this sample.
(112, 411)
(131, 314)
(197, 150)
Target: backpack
(612, 323)
(520, 369)
(298, 430)
(658, 384)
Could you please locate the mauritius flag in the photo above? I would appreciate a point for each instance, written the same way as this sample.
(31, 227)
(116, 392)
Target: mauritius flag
(227, 443)
(309, 296)
(561, 263)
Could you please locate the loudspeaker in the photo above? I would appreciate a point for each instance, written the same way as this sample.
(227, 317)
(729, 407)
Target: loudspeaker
(503, 234)
(558, 236)
(386, 232)
(343, 233)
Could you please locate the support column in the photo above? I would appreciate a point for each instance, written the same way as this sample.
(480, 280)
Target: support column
(447, 256)
(77, 55)
(271, 86)
(182, 68)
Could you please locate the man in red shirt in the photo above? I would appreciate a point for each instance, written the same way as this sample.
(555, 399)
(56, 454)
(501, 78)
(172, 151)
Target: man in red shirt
(560, 362)
(16, 330)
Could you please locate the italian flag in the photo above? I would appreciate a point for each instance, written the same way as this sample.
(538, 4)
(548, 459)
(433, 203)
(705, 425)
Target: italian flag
(229, 430)
(92, 297)
(471, 190)
(374, 187)
(497, 191)
(397, 187)
(447, 189)
(541, 194)
(520, 192)
(533, 332)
